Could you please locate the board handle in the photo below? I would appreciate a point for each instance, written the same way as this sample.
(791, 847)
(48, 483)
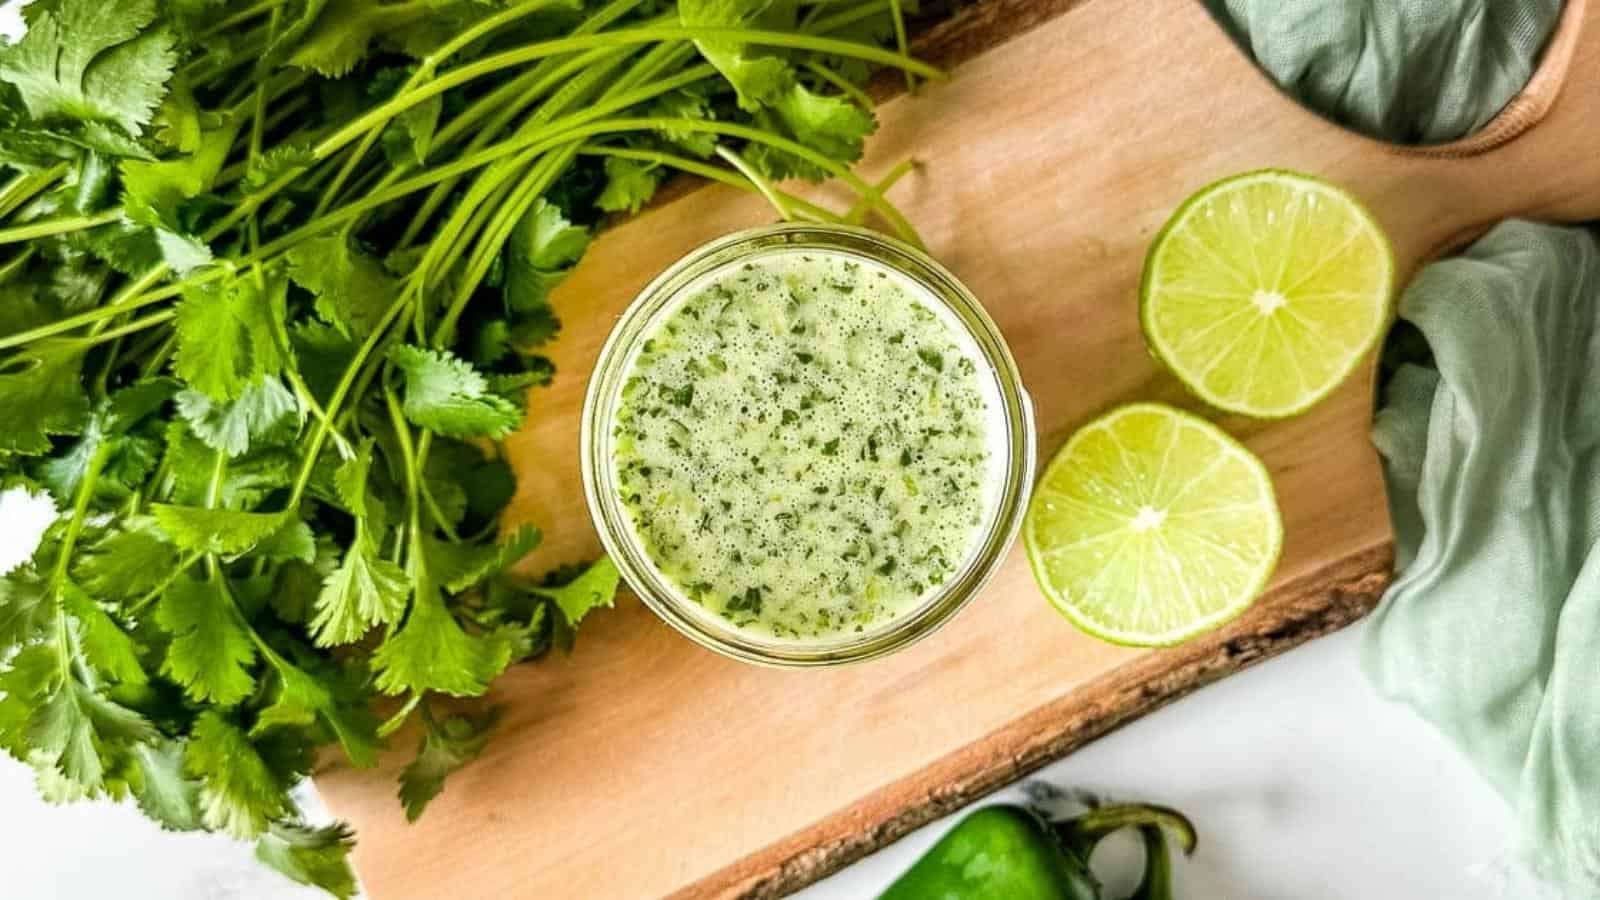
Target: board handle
(1538, 159)
(1536, 98)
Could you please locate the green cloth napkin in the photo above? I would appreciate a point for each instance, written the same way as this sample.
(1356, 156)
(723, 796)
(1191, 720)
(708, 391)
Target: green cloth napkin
(1489, 424)
(1412, 71)
(1492, 629)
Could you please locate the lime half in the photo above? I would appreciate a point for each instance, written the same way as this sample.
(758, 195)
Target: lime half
(1152, 526)
(1265, 290)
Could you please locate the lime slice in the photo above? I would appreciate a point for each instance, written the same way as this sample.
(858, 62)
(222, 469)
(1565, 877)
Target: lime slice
(1152, 526)
(1265, 290)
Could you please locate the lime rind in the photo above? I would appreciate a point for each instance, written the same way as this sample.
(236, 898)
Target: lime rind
(1337, 359)
(1101, 524)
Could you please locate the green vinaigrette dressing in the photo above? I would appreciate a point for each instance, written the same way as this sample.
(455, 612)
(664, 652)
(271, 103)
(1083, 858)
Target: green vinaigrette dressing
(805, 444)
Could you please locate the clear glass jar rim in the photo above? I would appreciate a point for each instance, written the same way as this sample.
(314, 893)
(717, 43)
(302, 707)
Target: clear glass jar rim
(610, 518)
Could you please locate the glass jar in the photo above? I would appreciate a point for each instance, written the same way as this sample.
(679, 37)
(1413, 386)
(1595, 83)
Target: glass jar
(1015, 446)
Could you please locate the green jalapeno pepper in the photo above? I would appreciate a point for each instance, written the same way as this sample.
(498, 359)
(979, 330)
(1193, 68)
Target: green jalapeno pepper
(1009, 852)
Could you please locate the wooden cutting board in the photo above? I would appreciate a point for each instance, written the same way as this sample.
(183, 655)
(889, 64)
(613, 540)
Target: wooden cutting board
(643, 766)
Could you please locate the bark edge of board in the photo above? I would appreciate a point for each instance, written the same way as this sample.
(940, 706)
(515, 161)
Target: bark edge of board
(1316, 604)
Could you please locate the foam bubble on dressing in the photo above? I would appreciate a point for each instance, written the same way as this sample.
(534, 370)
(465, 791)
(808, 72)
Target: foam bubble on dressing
(806, 444)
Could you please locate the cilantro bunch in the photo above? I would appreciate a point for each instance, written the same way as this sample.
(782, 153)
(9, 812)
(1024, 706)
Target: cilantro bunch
(274, 277)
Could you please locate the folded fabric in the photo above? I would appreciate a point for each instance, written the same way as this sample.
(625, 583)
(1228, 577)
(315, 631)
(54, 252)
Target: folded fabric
(1411, 71)
(1492, 448)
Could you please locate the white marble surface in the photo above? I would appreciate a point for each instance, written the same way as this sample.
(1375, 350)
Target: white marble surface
(1304, 786)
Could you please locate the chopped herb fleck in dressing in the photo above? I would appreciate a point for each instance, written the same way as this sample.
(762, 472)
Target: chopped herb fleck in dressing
(804, 446)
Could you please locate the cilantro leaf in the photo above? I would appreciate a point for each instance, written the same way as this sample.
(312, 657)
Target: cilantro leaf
(177, 120)
(21, 307)
(30, 674)
(460, 566)
(25, 607)
(597, 586)
(40, 392)
(446, 746)
(124, 246)
(73, 728)
(123, 563)
(687, 103)
(163, 792)
(313, 856)
(103, 643)
(409, 137)
(183, 252)
(629, 185)
(301, 699)
(89, 60)
(239, 794)
(757, 77)
(430, 652)
(211, 651)
(228, 333)
(127, 460)
(366, 590)
(469, 485)
(246, 479)
(444, 393)
(352, 289)
(542, 250)
(277, 162)
(292, 541)
(323, 353)
(222, 531)
(834, 126)
(153, 191)
(231, 426)
(344, 29)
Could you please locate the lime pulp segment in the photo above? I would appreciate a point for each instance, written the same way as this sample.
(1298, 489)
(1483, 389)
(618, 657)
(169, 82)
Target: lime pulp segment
(1152, 526)
(1264, 291)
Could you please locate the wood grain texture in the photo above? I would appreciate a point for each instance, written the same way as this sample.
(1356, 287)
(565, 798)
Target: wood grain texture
(643, 766)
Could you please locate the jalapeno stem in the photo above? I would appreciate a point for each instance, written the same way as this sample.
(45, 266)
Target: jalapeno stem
(1082, 833)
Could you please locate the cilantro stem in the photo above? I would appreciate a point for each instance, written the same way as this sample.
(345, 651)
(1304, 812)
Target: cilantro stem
(57, 226)
(258, 115)
(184, 565)
(620, 37)
(303, 394)
(423, 72)
(762, 185)
(592, 129)
(847, 17)
(402, 432)
(841, 85)
(341, 391)
(14, 265)
(149, 280)
(214, 486)
(202, 69)
(898, 17)
(424, 445)
(537, 179)
(805, 208)
(136, 325)
(156, 360)
(858, 211)
(393, 723)
(24, 186)
(96, 315)
(510, 99)
(80, 510)
(478, 30)
(536, 183)
(242, 16)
